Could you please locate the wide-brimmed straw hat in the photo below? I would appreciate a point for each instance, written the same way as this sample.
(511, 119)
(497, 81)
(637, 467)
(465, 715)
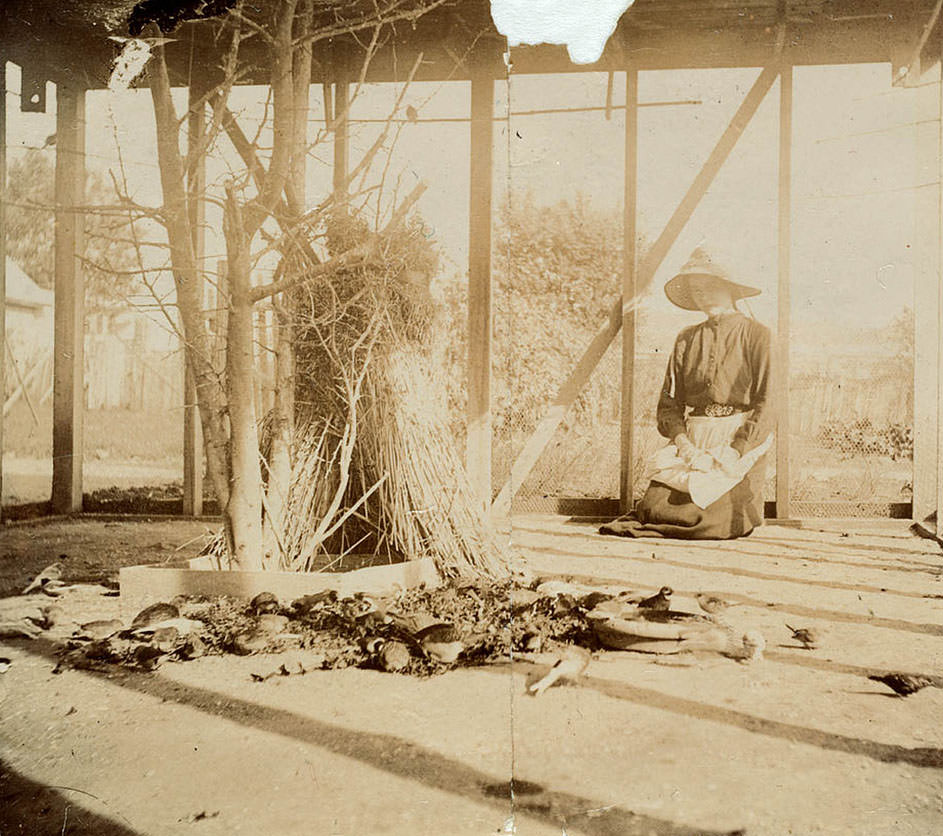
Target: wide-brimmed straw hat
(701, 270)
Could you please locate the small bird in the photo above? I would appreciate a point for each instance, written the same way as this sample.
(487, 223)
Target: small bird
(272, 624)
(193, 648)
(148, 657)
(806, 636)
(394, 656)
(411, 113)
(100, 629)
(250, 641)
(370, 613)
(51, 615)
(441, 642)
(711, 604)
(53, 572)
(660, 602)
(307, 604)
(750, 648)
(264, 602)
(903, 684)
(571, 665)
(165, 638)
(5, 664)
(153, 614)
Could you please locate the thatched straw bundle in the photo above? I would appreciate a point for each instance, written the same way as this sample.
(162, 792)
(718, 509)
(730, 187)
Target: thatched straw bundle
(374, 466)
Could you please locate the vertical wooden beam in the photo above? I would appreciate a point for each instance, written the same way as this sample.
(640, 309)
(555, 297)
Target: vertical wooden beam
(927, 332)
(629, 289)
(341, 139)
(196, 209)
(69, 350)
(939, 307)
(3, 256)
(781, 367)
(478, 443)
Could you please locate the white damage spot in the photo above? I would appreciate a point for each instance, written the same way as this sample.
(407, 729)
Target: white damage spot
(129, 64)
(583, 26)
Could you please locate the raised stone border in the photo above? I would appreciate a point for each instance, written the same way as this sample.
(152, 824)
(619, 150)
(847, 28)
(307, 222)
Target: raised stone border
(148, 584)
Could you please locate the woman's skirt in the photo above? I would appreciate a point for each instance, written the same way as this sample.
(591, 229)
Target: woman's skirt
(688, 504)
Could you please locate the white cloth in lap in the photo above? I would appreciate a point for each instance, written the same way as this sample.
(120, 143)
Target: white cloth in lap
(713, 436)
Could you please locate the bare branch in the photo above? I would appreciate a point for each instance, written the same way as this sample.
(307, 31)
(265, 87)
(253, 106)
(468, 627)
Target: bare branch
(282, 86)
(358, 254)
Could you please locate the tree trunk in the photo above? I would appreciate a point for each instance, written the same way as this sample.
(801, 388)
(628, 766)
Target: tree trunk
(242, 514)
(197, 342)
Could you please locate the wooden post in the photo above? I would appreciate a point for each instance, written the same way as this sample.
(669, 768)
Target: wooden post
(478, 444)
(341, 138)
(781, 366)
(939, 307)
(629, 263)
(927, 333)
(192, 431)
(69, 354)
(3, 257)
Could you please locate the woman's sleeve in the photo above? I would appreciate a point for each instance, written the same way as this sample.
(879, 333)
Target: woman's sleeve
(670, 412)
(762, 420)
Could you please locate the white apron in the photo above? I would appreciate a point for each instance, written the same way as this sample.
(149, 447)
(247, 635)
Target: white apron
(713, 436)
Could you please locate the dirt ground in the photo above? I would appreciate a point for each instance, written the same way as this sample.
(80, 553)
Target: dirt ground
(801, 743)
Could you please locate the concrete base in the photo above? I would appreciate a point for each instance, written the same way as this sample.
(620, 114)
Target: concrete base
(145, 585)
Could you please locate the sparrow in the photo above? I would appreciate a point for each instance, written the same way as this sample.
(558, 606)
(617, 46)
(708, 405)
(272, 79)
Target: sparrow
(153, 614)
(165, 638)
(370, 613)
(101, 629)
(711, 604)
(148, 657)
(903, 684)
(594, 599)
(272, 624)
(806, 636)
(411, 113)
(308, 603)
(750, 649)
(193, 648)
(53, 572)
(394, 656)
(572, 663)
(249, 641)
(441, 642)
(660, 602)
(264, 602)
(51, 615)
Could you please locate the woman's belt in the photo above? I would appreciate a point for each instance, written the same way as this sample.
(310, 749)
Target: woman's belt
(718, 410)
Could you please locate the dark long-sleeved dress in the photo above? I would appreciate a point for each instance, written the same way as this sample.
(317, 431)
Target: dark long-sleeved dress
(721, 362)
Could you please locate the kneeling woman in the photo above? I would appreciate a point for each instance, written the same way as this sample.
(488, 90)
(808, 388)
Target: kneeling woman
(708, 482)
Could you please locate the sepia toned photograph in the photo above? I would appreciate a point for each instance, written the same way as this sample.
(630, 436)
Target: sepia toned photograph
(432, 417)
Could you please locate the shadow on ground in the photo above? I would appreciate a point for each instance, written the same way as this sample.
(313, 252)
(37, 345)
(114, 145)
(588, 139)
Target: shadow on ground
(404, 759)
(31, 809)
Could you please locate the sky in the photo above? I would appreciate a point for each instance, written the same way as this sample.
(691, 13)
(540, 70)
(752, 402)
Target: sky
(856, 185)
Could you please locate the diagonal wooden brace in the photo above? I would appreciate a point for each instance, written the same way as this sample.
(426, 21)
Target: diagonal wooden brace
(568, 392)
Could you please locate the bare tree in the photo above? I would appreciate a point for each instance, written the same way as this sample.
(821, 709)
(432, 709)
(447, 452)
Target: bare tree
(264, 212)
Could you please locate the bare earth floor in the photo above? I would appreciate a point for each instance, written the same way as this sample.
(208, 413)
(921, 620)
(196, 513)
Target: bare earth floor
(801, 743)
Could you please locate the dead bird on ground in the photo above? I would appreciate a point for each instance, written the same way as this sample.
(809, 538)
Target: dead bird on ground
(808, 637)
(571, 665)
(904, 684)
(712, 604)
